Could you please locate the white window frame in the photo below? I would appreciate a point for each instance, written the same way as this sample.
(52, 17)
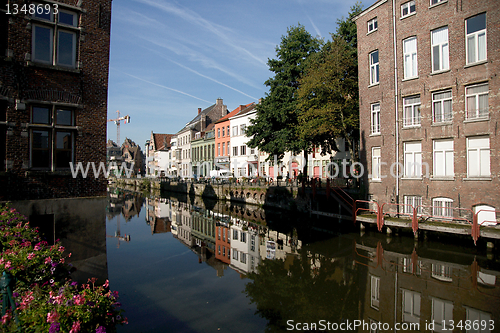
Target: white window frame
(442, 207)
(415, 201)
(472, 99)
(475, 315)
(376, 166)
(478, 155)
(243, 129)
(375, 292)
(443, 158)
(442, 102)
(235, 130)
(475, 37)
(441, 272)
(411, 306)
(413, 159)
(235, 254)
(408, 6)
(243, 150)
(442, 48)
(374, 67)
(410, 58)
(372, 25)
(375, 118)
(411, 111)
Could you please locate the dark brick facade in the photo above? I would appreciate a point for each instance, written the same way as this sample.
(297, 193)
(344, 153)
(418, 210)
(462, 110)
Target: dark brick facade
(74, 79)
(465, 191)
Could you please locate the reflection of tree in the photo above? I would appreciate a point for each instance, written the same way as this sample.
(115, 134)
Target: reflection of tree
(310, 289)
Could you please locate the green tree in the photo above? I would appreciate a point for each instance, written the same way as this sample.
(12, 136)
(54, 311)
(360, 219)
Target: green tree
(328, 92)
(275, 130)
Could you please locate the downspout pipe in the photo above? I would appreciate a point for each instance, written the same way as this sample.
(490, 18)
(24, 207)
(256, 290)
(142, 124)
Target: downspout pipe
(396, 113)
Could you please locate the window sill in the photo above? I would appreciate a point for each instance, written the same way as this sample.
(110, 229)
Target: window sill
(440, 72)
(53, 67)
(374, 84)
(412, 126)
(370, 32)
(482, 62)
(410, 78)
(452, 178)
(408, 15)
(437, 4)
(478, 119)
(485, 178)
(375, 180)
(412, 178)
(375, 134)
(442, 123)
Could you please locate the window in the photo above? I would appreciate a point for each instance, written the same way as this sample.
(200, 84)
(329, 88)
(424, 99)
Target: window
(243, 129)
(243, 150)
(228, 130)
(443, 158)
(440, 50)
(483, 318)
(441, 272)
(218, 132)
(223, 148)
(411, 306)
(235, 234)
(478, 157)
(52, 143)
(412, 202)
(376, 166)
(442, 315)
(476, 38)
(407, 8)
(228, 151)
(441, 106)
(54, 38)
(410, 57)
(224, 132)
(374, 68)
(413, 159)
(243, 258)
(477, 101)
(375, 118)
(235, 130)
(243, 238)
(235, 151)
(218, 149)
(434, 2)
(235, 254)
(411, 107)
(375, 292)
(372, 25)
(442, 207)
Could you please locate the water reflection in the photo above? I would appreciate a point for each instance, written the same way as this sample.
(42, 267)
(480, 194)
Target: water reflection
(185, 264)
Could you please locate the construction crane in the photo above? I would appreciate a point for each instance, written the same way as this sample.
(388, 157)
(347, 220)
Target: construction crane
(117, 122)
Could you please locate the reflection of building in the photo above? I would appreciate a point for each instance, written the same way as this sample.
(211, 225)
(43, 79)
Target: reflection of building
(184, 223)
(285, 246)
(159, 215)
(53, 98)
(420, 290)
(244, 246)
(203, 229)
(223, 241)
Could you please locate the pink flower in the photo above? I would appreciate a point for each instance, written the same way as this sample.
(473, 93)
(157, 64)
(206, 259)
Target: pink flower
(36, 248)
(48, 260)
(78, 299)
(61, 261)
(52, 317)
(106, 284)
(75, 328)
(61, 249)
(6, 318)
(7, 264)
(31, 255)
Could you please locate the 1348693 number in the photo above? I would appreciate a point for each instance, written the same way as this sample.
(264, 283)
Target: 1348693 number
(467, 325)
(32, 9)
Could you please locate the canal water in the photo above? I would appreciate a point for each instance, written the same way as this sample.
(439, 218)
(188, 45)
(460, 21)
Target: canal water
(185, 264)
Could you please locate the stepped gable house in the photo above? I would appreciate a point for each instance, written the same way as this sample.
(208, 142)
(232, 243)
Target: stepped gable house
(53, 96)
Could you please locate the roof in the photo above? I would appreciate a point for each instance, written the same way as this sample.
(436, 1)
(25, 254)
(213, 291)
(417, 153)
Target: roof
(209, 127)
(233, 113)
(161, 141)
(369, 9)
(249, 107)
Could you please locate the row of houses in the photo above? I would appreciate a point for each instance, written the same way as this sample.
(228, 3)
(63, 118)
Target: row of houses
(214, 144)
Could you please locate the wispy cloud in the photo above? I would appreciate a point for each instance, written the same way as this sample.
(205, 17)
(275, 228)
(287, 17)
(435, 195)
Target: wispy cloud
(160, 85)
(318, 33)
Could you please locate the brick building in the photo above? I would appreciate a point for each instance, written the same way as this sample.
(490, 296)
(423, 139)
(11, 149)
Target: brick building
(429, 101)
(53, 96)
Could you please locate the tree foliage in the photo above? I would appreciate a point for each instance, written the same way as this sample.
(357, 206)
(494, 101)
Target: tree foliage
(275, 129)
(328, 92)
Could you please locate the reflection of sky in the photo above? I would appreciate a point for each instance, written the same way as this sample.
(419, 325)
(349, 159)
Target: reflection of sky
(163, 288)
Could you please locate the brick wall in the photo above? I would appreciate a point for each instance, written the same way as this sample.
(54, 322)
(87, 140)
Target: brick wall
(464, 192)
(81, 88)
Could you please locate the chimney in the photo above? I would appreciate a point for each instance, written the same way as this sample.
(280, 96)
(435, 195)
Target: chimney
(203, 122)
(219, 101)
(199, 110)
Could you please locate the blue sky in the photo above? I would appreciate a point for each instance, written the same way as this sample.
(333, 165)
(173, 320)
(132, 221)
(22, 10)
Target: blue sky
(170, 58)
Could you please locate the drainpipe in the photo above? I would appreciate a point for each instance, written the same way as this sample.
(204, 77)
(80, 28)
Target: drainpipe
(396, 96)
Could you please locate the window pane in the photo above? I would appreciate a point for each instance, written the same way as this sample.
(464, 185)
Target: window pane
(40, 115)
(481, 41)
(374, 57)
(64, 117)
(42, 44)
(66, 48)
(67, 18)
(40, 149)
(476, 23)
(471, 49)
(435, 58)
(483, 105)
